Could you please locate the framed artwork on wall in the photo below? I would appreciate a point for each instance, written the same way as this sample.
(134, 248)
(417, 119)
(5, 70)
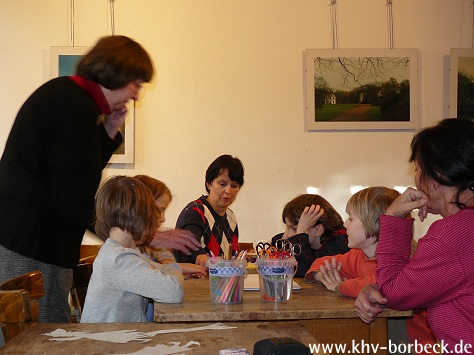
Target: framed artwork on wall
(361, 89)
(461, 83)
(63, 62)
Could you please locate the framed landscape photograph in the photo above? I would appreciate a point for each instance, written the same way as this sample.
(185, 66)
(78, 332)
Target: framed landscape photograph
(361, 89)
(63, 62)
(461, 83)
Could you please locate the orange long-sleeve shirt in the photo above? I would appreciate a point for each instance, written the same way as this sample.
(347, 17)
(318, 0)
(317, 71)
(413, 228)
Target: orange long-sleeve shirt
(356, 267)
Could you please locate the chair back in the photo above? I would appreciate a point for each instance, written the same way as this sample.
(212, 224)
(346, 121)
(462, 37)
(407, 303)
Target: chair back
(80, 281)
(88, 251)
(19, 306)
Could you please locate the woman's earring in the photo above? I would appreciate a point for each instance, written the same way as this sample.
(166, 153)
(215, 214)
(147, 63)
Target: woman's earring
(471, 186)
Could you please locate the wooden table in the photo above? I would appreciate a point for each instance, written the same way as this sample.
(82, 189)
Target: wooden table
(329, 317)
(32, 340)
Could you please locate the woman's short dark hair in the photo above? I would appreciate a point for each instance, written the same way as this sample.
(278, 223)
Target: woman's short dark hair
(445, 153)
(116, 61)
(224, 163)
(331, 220)
(126, 203)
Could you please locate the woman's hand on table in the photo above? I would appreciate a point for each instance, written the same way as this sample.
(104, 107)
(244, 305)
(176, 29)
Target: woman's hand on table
(369, 303)
(178, 239)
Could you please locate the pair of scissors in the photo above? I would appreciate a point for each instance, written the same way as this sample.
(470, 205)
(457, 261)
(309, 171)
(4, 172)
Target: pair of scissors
(287, 248)
(266, 250)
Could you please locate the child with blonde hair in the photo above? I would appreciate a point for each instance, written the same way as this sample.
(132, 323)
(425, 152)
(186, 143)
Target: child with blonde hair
(347, 273)
(123, 278)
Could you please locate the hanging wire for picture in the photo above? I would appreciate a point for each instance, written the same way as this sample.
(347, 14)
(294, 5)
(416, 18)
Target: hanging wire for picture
(112, 16)
(390, 23)
(71, 10)
(334, 35)
(472, 40)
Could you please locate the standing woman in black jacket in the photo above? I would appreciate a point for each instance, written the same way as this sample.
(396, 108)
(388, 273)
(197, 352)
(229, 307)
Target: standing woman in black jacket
(52, 165)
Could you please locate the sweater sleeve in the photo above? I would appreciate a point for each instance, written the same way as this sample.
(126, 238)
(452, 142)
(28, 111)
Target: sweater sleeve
(192, 219)
(136, 274)
(109, 145)
(352, 287)
(409, 283)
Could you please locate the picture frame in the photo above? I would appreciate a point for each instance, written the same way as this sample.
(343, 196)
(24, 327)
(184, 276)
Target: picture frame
(361, 89)
(461, 83)
(63, 61)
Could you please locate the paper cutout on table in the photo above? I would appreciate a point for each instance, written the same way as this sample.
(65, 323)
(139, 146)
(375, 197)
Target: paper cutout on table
(116, 336)
(215, 326)
(161, 349)
(251, 283)
(124, 336)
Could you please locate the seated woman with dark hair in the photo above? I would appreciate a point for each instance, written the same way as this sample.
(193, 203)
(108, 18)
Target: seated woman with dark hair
(209, 217)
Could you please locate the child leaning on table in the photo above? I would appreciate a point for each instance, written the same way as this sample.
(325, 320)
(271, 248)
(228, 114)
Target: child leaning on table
(312, 223)
(123, 278)
(162, 195)
(348, 273)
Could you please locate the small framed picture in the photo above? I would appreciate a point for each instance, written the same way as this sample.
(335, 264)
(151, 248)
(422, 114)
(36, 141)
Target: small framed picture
(461, 83)
(63, 63)
(361, 89)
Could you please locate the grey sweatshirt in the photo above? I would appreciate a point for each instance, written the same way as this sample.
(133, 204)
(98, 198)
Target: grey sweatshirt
(122, 281)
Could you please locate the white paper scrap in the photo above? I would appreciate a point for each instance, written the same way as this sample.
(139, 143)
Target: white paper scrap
(117, 336)
(162, 349)
(215, 326)
(124, 336)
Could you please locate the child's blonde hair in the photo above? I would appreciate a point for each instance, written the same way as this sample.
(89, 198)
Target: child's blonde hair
(126, 203)
(368, 204)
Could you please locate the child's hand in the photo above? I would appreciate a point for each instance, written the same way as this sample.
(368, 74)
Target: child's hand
(308, 218)
(201, 260)
(189, 269)
(330, 274)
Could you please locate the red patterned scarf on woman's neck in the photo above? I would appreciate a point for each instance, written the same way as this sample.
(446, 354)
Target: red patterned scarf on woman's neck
(95, 92)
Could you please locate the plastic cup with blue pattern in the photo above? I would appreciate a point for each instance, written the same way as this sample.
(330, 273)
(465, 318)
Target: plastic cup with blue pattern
(276, 278)
(226, 280)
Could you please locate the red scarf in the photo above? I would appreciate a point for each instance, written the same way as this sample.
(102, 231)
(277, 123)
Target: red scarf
(95, 92)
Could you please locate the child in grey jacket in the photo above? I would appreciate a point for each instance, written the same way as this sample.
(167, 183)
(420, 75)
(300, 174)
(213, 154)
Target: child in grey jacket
(123, 278)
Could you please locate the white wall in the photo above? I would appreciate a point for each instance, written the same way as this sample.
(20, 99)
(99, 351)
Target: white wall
(230, 80)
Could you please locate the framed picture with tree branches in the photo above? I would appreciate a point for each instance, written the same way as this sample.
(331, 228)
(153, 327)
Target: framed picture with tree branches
(461, 83)
(63, 61)
(361, 89)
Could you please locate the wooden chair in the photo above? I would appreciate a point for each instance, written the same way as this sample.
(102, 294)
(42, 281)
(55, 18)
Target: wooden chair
(88, 251)
(245, 246)
(19, 306)
(80, 281)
